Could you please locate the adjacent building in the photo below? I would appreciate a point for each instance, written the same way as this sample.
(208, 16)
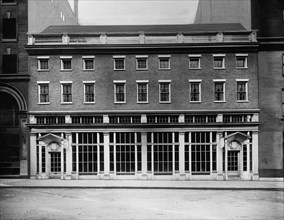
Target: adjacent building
(14, 78)
(176, 102)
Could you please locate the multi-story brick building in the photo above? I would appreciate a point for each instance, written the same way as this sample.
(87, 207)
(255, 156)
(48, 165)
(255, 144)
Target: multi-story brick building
(268, 18)
(144, 102)
(14, 79)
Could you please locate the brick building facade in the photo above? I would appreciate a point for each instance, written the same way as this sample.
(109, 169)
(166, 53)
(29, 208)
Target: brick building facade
(144, 102)
(14, 79)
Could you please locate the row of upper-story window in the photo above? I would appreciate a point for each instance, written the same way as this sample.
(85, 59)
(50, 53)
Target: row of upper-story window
(119, 91)
(88, 62)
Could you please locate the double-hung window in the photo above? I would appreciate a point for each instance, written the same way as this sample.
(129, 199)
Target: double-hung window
(142, 91)
(88, 62)
(119, 62)
(164, 61)
(195, 90)
(119, 91)
(42, 63)
(219, 61)
(66, 92)
(242, 90)
(194, 61)
(219, 90)
(165, 91)
(43, 92)
(66, 63)
(89, 91)
(141, 62)
(241, 61)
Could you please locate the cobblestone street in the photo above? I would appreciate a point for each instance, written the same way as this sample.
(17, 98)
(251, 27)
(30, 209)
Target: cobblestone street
(140, 204)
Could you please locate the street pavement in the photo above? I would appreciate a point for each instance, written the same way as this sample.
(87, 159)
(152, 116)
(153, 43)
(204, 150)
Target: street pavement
(140, 203)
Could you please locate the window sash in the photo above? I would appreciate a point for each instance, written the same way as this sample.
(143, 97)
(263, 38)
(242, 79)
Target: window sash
(218, 62)
(194, 63)
(67, 93)
(141, 63)
(43, 93)
(164, 92)
(241, 62)
(241, 91)
(142, 92)
(164, 63)
(43, 64)
(89, 93)
(120, 92)
(88, 64)
(219, 91)
(119, 64)
(66, 64)
(194, 92)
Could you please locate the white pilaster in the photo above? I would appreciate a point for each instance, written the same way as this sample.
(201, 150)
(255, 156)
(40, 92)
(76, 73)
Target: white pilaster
(144, 153)
(41, 143)
(255, 155)
(181, 155)
(33, 156)
(219, 152)
(68, 157)
(106, 155)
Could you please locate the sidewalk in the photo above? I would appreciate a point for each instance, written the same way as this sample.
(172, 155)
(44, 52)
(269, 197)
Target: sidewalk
(143, 184)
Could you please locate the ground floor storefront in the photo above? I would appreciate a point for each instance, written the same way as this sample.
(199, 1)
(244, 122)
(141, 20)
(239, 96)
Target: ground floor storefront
(145, 153)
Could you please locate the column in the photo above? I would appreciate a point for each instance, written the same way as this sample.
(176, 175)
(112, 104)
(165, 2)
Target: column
(181, 155)
(219, 155)
(33, 156)
(255, 155)
(68, 157)
(106, 155)
(41, 143)
(23, 145)
(144, 154)
(226, 160)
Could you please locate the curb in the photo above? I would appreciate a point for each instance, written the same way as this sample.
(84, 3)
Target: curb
(144, 187)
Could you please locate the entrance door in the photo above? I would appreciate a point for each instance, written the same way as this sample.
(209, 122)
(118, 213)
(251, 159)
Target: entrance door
(55, 164)
(233, 164)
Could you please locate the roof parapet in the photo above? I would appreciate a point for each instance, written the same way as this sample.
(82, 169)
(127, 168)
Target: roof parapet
(141, 38)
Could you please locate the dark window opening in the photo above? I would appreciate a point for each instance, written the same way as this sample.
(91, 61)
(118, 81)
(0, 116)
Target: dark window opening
(9, 63)
(9, 29)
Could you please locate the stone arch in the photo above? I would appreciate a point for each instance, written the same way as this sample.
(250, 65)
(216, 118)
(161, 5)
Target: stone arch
(18, 96)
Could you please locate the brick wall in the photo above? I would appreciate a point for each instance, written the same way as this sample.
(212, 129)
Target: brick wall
(271, 131)
(179, 74)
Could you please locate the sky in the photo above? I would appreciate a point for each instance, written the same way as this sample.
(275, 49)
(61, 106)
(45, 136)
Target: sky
(117, 12)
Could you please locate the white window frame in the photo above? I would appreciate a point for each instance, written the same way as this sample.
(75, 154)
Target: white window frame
(88, 83)
(168, 82)
(115, 82)
(199, 83)
(169, 60)
(194, 56)
(245, 56)
(39, 83)
(224, 89)
(142, 82)
(116, 58)
(223, 61)
(61, 62)
(144, 57)
(66, 83)
(246, 84)
(84, 58)
(39, 63)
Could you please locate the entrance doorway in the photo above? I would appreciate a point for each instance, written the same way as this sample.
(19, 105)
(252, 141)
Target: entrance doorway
(233, 164)
(55, 164)
(9, 135)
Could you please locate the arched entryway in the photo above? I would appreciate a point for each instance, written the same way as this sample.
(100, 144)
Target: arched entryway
(9, 135)
(13, 132)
